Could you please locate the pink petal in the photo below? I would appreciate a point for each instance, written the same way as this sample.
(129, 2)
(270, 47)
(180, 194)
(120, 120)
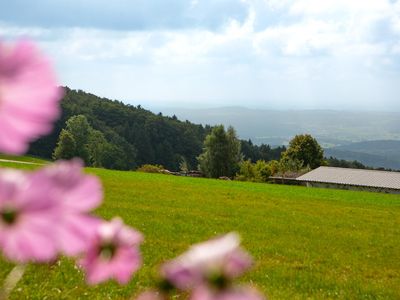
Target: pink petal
(220, 256)
(126, 262)
(75, 231)
(78, 191)
(180, 276)
(97, 271)
(11, 182)
(86, 196)
(29, 97)
(237, 263)
(32, 239)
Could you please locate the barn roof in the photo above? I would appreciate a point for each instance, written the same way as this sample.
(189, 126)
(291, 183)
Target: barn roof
(355, 177)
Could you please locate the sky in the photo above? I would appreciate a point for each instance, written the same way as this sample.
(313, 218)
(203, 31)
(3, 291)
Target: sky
(279, 54)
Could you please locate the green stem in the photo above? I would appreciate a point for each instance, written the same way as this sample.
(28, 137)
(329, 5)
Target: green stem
(11, 281)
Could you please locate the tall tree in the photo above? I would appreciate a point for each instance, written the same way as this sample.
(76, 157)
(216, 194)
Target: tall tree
(235, 155)
(305, 149)
(80, 129)
(97, 147)
(66, 146)
(221, 154)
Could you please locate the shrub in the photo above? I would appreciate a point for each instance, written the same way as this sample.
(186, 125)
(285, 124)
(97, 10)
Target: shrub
(258, 172)
(262, 171)
(147, 168)
(273, 166)
(246, 171)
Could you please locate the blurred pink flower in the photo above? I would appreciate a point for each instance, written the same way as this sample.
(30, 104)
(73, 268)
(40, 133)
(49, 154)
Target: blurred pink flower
(46, 212)
(27, 218)
(220, 259)
(29, 96)
(236, 293)
(78, 194)
(114, 253)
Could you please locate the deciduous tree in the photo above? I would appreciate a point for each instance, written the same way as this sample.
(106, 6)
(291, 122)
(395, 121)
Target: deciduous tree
(305, 149)
(221, 154)
(80, 129)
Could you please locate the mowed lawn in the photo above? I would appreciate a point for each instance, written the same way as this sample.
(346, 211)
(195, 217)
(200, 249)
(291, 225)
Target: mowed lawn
(307, 243)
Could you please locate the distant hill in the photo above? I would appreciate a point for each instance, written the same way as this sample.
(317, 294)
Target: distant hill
(331, 128)
(387, 148)
(139, 135)
(379, 153)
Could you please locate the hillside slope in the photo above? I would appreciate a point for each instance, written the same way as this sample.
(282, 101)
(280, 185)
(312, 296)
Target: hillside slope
(379, 153)
(142, 136)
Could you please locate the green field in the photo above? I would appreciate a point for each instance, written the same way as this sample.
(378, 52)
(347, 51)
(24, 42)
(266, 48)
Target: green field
(307, 243)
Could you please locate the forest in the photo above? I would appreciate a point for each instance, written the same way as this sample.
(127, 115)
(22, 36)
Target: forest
(136, 136)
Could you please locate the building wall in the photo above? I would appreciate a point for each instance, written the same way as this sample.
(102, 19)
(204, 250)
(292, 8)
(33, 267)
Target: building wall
(351, 187)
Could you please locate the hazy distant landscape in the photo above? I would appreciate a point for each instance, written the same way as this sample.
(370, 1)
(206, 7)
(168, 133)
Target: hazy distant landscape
(372, 138)
(275, 127)
(378, 154)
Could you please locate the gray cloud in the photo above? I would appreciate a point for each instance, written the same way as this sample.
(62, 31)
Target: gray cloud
(123, 14)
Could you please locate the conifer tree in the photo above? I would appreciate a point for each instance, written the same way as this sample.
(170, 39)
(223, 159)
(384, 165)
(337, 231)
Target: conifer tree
(66, 146)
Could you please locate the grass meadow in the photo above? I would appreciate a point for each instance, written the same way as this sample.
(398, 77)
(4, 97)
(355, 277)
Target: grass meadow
(307, 243)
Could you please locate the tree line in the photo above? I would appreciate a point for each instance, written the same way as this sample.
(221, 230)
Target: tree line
(222, 156)
(110, 134)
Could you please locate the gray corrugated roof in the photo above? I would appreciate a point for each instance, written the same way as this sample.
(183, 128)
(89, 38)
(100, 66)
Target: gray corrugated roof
(368, 178)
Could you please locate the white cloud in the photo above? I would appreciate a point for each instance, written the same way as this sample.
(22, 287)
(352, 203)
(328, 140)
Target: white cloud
(316, 51)
(339, 7)
(335, 27)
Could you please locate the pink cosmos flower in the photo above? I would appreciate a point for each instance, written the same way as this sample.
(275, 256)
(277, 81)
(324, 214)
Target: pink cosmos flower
(29, 96)
(237, 293)
(77, 193)
(114, 253)
(27, 218)
(216, 262)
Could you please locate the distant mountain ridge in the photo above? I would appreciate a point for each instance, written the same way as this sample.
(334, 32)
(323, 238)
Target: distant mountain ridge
(387, 148)
(379, 153)
(274, 127)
